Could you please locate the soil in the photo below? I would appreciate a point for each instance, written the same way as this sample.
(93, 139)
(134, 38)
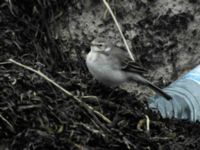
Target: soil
(54, 36)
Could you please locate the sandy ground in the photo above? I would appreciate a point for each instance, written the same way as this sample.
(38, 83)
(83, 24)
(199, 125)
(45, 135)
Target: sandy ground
(164, 66)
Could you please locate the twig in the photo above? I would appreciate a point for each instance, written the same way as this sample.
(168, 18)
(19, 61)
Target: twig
(143, 122)
(5, 63)
(9, 125)
(147, 123)
(120, 31)
(88, 108)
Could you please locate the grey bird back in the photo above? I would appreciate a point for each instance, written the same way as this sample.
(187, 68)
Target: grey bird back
(126, 63)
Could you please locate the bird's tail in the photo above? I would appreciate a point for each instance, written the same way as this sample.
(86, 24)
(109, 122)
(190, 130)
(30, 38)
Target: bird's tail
(138, 78)
(159, 91)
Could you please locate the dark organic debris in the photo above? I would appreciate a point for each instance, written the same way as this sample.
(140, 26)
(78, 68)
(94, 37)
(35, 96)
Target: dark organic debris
(36, 115)
(158, 34)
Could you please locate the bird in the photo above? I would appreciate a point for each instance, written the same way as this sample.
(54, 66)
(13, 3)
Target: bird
(112, 66)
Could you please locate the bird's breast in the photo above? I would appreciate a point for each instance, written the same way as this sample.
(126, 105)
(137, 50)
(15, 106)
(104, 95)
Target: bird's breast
(102, 69)
(91, 57)
(95, 63)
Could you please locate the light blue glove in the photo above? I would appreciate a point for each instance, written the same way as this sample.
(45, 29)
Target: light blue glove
(186, 98)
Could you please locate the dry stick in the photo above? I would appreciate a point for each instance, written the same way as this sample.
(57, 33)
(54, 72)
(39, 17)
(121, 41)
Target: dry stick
(120, 31)
(124, 40)
(4, 63)
(84, 105)
(10, 127)
(147, 123)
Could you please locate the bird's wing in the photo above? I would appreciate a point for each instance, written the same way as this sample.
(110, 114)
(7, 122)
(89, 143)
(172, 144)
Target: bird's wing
(130, 66)
(127, 64)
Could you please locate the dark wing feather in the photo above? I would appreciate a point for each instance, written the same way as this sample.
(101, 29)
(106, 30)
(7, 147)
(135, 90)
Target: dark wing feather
(131, 66)
(127, 64)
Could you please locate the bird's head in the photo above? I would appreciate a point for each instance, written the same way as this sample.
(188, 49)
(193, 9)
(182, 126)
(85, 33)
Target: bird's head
(100, 45)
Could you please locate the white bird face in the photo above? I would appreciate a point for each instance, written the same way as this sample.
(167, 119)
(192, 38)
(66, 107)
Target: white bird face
(100, 45)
